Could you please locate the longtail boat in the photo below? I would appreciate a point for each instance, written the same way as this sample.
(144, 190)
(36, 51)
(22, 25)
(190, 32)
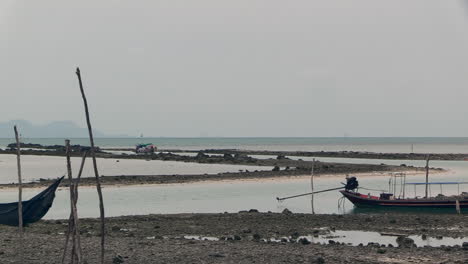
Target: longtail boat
(387, 199)
(33, 209)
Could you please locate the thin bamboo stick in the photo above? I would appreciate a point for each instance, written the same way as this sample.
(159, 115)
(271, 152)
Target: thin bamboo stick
(427, 174)
(70, 218)
(96, 173)
(75, 234)
(312, 186)
(20, 196)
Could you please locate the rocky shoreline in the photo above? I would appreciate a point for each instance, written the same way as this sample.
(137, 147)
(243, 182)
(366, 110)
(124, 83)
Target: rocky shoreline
(333, 154)
(330, 170)
(160, 239)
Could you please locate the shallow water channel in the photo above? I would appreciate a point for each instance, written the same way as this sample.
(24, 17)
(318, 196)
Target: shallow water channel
(234, 196)
(355, 238)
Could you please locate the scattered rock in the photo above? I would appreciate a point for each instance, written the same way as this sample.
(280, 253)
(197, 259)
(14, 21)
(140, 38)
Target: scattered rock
(117, 259)
(381, 251)
(286, 211)
(216, 255)
(465, 245)
(247, 231)
(318, 260)
(405, 242)
(304, 241)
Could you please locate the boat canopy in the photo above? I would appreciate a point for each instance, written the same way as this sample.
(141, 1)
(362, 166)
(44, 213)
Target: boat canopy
(438, 183)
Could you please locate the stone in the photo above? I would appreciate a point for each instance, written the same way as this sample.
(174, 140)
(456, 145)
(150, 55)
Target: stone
(286, 211)
(304, 241)
(117, 259)
(405, 242)
(318, 260)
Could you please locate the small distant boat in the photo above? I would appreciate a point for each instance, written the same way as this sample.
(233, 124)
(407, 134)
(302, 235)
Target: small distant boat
(33, 209)
(145, 148)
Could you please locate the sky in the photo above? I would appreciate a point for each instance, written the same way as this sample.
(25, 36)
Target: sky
(239, 68)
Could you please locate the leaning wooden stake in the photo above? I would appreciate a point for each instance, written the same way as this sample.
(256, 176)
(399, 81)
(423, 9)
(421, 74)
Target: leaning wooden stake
(427, 175)
(20, 196)
(96, 173)
(71, 229)
(76, 247)
(312, 186)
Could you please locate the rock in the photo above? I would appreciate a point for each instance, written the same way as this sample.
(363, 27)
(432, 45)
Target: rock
(237, 237)
(116, 228)
(287, 212)
(117, 259)
(256, 237)
(216, 255)
(295, 235)
(424, 237)
(405, 242)
(331, 242)
(253, 211)
(318, 260)
(246, 231)
(465, 245)
(276, 168)
(304, 241)
(227, 156)
(381, 251)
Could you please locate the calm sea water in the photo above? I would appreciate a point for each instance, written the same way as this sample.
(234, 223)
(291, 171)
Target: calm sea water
(228, 196)
(398, 144)
(233, 196)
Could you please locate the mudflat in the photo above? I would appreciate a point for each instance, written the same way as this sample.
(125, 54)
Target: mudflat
(160, 239)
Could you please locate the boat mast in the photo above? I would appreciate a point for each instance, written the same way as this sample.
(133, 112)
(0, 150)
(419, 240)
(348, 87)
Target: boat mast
(427, 174)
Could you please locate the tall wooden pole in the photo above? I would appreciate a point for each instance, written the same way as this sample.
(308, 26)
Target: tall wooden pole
(427, 175)
(20, 195)
(96, 173)
(312, 186)
(76, 245)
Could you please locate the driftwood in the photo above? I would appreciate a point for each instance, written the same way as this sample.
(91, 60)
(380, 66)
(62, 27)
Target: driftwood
(96, 173)
(20, 197)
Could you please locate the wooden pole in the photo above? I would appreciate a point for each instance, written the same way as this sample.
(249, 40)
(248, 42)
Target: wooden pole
(70, 218)
(20, 196)
(76, 256)
(96, 173)
(312, 186)
(427, 174)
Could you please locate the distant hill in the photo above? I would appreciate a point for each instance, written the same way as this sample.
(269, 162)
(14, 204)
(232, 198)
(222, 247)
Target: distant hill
(56, 129)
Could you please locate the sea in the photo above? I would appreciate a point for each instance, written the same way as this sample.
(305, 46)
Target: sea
(236, 195)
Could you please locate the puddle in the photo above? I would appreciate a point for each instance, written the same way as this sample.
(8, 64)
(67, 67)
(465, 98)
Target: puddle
(354, 238)
(202, 238)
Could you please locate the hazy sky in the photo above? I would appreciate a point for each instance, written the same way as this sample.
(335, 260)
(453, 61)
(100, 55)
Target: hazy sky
(239, 67)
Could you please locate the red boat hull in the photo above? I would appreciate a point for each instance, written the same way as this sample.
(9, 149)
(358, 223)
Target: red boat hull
(361, 200)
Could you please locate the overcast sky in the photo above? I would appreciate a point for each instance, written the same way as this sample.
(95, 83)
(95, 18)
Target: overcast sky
(239, 68)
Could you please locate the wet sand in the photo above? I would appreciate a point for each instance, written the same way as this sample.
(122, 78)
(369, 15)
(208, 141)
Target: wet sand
(158, 239)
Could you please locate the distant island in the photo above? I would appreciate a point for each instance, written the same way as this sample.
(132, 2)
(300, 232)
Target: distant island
(56, 129)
